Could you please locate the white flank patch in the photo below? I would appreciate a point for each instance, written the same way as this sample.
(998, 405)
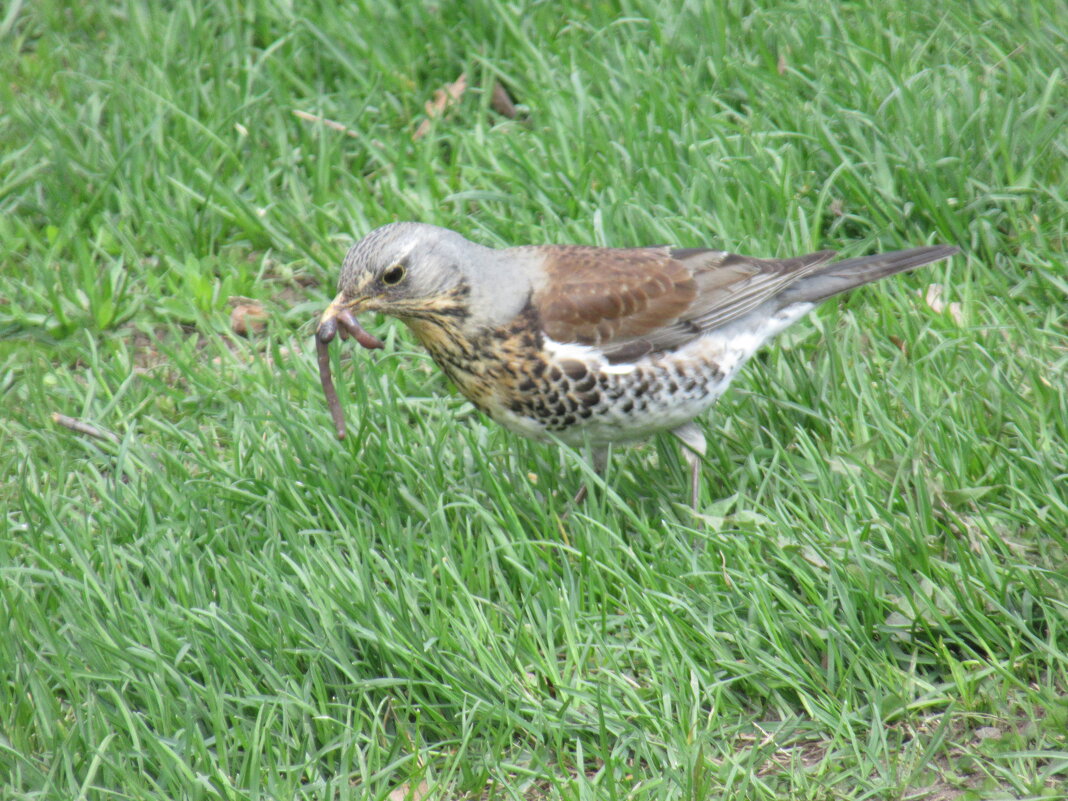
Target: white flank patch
(571, 350)
(590, 356)
(732, 345)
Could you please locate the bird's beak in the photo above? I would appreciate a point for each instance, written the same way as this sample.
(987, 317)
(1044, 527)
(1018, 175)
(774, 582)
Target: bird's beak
(339, 312)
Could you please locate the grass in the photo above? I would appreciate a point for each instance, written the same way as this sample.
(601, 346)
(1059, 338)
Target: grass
(225, 602)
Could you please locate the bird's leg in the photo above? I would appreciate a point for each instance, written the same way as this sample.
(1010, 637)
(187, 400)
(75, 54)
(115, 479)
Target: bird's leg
(599, 457)
(693, 450)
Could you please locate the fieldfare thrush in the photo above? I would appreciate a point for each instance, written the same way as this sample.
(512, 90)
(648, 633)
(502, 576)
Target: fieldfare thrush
(591, 345)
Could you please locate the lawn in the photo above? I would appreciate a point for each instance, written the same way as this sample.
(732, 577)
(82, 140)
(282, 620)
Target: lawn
(205, 595)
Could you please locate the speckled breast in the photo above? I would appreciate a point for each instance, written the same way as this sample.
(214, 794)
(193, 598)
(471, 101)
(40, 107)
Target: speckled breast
(509, 374)
(579, 402)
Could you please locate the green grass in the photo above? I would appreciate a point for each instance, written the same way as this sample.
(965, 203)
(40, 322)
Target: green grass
(225, 602)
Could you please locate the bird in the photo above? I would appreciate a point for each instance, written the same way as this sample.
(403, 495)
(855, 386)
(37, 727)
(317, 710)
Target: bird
(588, 345)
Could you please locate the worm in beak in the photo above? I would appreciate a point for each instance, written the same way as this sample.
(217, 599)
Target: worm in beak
(334, 316)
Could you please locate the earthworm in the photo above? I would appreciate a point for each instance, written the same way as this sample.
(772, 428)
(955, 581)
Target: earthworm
(348, 322)
(322, 346)
(323, 336)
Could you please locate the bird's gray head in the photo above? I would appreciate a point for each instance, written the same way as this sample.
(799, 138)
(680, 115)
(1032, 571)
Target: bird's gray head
(429, 277)
(443, 286)
(405, 269)
(417, 272)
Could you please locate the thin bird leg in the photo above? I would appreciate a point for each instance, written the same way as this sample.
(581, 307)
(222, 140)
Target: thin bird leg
(599, 458)
(693, 450)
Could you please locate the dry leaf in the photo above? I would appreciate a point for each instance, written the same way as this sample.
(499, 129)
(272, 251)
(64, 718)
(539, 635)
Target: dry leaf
(337, 126)
(408, 793)
(501, 101)
(443, 98)
(248, 318)
(933, 298)
(782, 64)
(82, 427)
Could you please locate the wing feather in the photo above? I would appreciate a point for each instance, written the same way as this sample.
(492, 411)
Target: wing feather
(634, 301)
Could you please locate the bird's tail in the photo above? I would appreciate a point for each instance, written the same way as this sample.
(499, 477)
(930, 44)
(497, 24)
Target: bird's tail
(841, 276)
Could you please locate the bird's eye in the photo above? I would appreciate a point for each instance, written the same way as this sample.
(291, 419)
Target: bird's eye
(394, 275)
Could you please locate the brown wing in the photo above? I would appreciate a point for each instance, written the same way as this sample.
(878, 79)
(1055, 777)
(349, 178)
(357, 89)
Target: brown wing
(637, 300)
(596, 296)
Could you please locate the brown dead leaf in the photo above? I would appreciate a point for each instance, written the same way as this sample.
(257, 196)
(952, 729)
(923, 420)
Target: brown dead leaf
(933, 298)
(781, 66)
(988, 733)
(443, 98)
(82, 427)
(501, 101)
(408, 793)
(248, 318)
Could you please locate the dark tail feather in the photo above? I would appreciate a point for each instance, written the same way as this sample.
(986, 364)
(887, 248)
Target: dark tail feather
(841, 276)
